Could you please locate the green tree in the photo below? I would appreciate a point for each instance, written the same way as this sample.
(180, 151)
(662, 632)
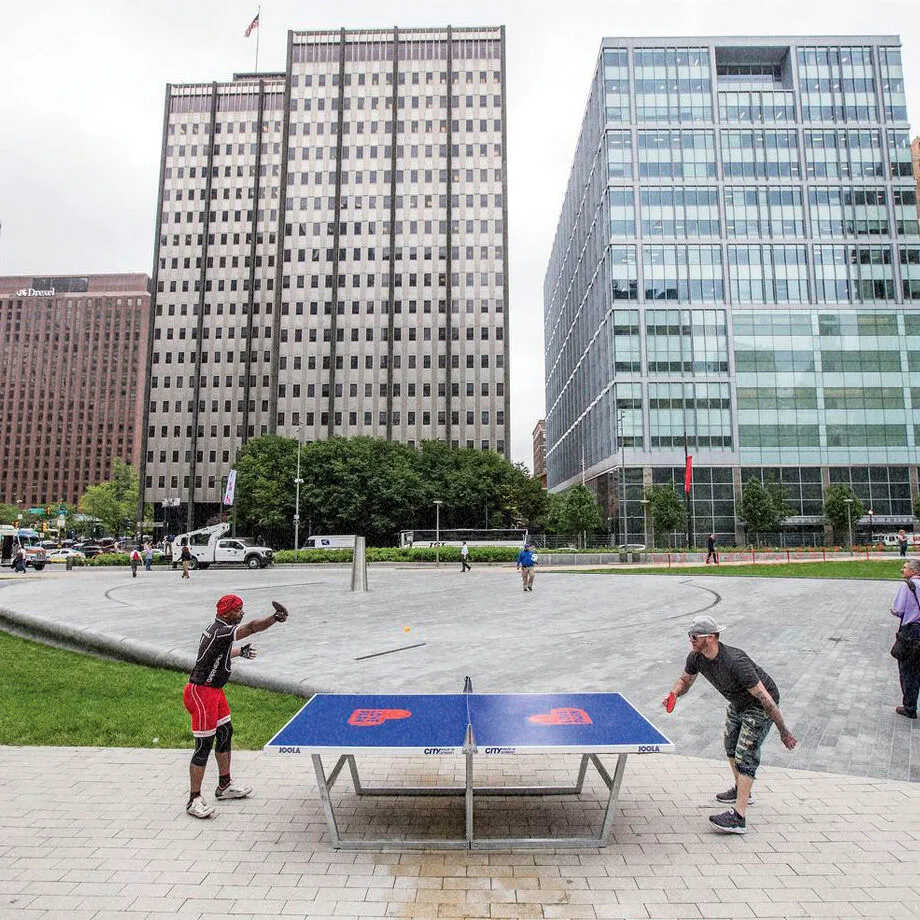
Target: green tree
(917, 506)
(113, 502)
(666, 510)
(265, 473)
(757, 510)
(376, 488)
(779, 497)
(578, 513)
(9, 514)
(843, 509)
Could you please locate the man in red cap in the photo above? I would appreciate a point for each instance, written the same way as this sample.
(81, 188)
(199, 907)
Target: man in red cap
(205, 701)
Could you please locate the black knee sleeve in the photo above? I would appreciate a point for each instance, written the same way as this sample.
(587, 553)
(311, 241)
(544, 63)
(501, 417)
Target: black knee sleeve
(224, 734)
(202, 750)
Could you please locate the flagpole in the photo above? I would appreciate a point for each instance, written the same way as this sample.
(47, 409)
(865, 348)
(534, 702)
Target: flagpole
(258, 33)
(688, 485)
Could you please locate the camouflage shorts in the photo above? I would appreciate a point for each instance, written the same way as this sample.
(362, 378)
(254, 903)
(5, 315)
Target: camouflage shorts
(745, 733)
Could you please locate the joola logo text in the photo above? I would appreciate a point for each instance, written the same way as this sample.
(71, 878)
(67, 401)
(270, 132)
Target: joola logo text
(289, 750)
(648, 749)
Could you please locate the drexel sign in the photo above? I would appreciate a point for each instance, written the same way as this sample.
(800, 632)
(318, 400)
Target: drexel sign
(32, 292)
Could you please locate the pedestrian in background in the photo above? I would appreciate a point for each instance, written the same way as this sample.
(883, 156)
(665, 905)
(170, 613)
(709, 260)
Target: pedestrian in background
(464, 558)
(525, 563)
(711, 549)
(186, 558)
(148, 556)
(135, 560)
(907, 607)
(902, 543)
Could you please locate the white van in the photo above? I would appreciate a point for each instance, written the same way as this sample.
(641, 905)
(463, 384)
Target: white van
(334, 541)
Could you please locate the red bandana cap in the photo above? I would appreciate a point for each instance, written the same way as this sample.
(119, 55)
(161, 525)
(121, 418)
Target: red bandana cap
(228, 603)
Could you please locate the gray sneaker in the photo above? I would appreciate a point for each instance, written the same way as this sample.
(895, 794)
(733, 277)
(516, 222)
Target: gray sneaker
(199, 808)
(729, 822)
(232, 792)
(730, 796)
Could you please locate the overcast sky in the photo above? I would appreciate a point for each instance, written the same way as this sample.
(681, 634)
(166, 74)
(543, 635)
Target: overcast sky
(82, 92)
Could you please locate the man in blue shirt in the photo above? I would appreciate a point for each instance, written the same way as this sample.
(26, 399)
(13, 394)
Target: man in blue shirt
(525, 563)
(907, 607)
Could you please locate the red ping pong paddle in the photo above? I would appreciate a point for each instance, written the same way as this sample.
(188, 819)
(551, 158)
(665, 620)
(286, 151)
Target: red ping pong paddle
(670, 703)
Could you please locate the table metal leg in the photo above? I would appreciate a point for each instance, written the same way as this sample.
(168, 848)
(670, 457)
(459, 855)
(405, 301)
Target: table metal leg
(326, 799)
(469, 791)
(469, 798)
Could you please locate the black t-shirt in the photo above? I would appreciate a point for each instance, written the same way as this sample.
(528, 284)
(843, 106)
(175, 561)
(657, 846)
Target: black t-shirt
(733, 674)
(212, 669)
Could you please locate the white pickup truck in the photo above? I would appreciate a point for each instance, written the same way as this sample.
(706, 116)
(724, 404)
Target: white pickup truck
(212, 546)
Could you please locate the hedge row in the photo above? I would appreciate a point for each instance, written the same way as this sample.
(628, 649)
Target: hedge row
(401, 554)
(117, 559)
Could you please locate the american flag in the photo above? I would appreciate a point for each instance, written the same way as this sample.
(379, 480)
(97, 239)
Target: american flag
(253, 25)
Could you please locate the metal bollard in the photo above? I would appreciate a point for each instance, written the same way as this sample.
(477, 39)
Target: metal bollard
(69, 563)
(359, 566)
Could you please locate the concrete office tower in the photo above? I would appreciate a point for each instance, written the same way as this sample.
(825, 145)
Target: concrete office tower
(737, 265)
(73, 353)
(331, 254)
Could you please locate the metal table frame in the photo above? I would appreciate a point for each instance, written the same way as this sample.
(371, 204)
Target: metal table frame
(468, 791)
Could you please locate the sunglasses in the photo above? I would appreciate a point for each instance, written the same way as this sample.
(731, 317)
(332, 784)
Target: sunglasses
(695, 636)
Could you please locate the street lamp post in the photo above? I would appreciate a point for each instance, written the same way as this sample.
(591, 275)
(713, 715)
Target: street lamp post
(437, 532)
(297, 483)
(645, 523)
(849, 504)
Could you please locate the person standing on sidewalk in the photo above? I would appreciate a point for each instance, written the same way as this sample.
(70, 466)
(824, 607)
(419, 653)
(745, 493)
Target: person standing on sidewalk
(206, 703)
(186, 559)
(525, 564)
(711, 549)
(752, 708)
(907, 607)
(902, 543)
(148, 556)
(465, 558)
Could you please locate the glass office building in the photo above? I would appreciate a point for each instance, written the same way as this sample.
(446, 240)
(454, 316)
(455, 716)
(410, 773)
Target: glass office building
(736, 269)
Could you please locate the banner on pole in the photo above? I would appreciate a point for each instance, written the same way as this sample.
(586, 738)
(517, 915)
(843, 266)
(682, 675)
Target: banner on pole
(688, 474)
(230, 492)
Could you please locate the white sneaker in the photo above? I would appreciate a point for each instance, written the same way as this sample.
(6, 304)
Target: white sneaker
(199, 808)
(232, 792)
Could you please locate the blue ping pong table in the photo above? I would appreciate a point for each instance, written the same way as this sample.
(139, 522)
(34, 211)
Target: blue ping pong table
(468, 724)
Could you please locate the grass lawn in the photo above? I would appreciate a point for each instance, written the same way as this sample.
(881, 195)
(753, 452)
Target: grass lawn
(49, 696)
(876, 570)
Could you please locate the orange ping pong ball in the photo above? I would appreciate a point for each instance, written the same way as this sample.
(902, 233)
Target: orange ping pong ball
(406, 629)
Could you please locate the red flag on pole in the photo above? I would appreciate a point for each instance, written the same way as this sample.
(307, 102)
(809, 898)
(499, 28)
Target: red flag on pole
(688, 474)
(253, 25)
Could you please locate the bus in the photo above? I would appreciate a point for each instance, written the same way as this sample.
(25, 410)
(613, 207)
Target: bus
(513, 537)
(11, 538)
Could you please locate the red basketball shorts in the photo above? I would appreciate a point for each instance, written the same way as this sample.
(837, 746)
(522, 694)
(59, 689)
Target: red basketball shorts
(208, 708)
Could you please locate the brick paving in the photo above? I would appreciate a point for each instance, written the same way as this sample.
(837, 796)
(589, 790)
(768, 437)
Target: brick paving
(100, 834)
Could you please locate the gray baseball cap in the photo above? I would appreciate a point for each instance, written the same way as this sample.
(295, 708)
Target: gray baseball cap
(704, 626)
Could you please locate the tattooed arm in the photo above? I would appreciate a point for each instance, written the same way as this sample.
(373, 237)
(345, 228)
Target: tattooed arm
(760, 693)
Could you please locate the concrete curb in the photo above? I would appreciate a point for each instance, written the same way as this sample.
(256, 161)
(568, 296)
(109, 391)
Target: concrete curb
(133, 651)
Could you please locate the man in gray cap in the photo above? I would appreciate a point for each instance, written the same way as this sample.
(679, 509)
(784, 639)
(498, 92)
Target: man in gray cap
(752, 708)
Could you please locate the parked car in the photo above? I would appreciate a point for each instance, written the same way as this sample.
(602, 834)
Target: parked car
(89, 549)
(62, 555)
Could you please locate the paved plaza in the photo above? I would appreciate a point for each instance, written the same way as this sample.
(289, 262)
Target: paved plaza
(835, 831)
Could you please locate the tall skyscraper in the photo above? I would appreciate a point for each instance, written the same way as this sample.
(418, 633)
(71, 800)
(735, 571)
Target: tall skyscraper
(73, 354)
(331, 254)
(736, 272)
